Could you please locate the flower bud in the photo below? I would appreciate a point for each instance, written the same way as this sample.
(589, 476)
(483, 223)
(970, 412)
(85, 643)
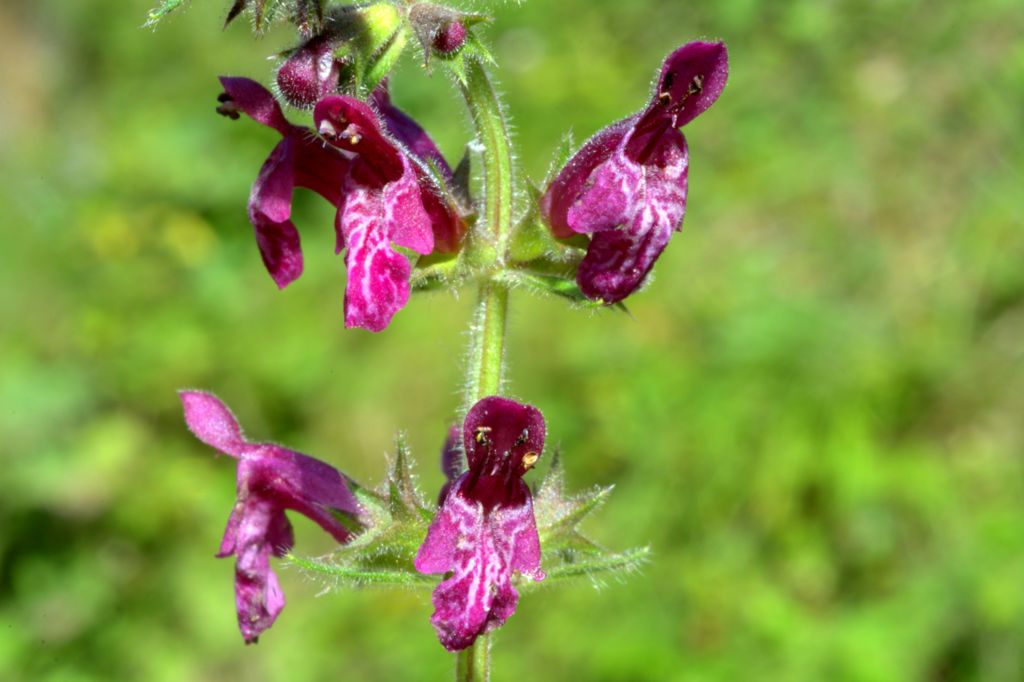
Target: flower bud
(379, 44)
(440, 29)
(309, 73)
(450, 37)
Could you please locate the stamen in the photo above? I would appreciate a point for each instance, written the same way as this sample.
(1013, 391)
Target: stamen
(696, 85)
(529, 459)
(327, 129)
(227, 106)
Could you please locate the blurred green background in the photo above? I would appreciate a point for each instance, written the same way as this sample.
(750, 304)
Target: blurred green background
(814, 415)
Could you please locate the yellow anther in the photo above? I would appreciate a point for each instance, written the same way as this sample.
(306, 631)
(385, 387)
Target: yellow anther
(529, 459)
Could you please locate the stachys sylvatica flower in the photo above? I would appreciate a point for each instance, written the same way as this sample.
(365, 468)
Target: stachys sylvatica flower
(485, 529)
(385, 201)
(627, 184)
(271, 479)
(383, 192)
(298, 160)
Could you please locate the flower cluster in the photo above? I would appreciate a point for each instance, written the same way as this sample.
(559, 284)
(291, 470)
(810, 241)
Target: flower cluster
(484, 532)
(397, 201)
(626, 187)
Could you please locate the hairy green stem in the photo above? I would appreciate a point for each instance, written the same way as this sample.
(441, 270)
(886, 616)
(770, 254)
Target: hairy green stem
(492, 232)
(488, 245)
(486, 371)
(473, 664)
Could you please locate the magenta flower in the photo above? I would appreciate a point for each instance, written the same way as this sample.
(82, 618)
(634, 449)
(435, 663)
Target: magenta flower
(299, 160)
(271, 479)
(384, 203)
(485, 528)
(384, 195)
(627, 185)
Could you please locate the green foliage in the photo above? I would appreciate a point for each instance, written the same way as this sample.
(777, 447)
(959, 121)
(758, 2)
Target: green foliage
(568, 552)
(162, 10)
(398, 517)
(383, 553)
(812, 415)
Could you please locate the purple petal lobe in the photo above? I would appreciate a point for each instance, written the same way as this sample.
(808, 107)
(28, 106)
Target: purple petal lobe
(503, 440)
(610, 196)
(256, 102)
(407, 131)
(258, 595)
(378, 276)
(212, 422)
(270, 208)
(622, 252)
(446, 223)
(691, 80)
(481, 550)
(406, 220)
(572, 179)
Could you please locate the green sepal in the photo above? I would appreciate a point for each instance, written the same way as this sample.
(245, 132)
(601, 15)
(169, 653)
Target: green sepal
(567, 552)
(308, 16)
(395, 518)
(558, 514)
(377, 47)
(404, 495)
(437, 271)
(586, 566)
(348, 576)
(264, 13)
(558, 283)
(532, 239)
(461, 177)
(457, 62)
(157, 14)
(562, 155)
